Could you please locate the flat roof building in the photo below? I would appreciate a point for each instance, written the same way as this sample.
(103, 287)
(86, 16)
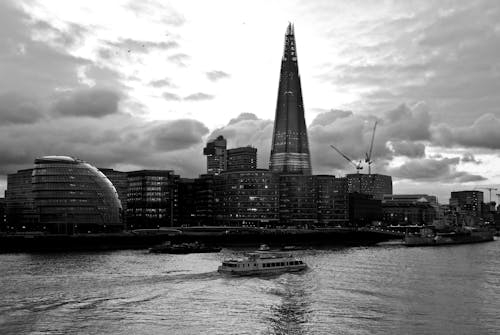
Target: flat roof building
(376, 185)
(241, 159)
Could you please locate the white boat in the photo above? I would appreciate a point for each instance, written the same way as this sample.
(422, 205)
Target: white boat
(262, 262)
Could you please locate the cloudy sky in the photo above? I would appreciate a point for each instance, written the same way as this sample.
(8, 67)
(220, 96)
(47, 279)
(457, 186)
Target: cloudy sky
(144, 84)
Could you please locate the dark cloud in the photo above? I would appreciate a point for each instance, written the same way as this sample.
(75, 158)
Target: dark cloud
(428, 169)
(92, 102)
(482, 133)
(179, 59)
(115, 140)
(33, 67)
(408, 149)
(216, 75)
(446, 54)
(178, 134)
(199, 97)
(170, 96)
(16, 108)
(165, 82)
(352, 133)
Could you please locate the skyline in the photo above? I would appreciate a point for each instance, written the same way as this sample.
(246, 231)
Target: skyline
(151, 97)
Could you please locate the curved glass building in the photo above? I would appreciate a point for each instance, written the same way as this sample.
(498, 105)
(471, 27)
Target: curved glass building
(71, 196)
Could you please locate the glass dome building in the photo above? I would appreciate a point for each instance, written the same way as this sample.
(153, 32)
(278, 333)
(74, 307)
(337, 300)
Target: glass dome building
(71, 196)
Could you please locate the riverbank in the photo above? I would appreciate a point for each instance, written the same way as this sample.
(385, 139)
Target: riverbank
(221, 236)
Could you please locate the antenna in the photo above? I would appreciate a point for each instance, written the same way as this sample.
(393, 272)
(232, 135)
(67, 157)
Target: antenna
(368, 158)
(357, 166)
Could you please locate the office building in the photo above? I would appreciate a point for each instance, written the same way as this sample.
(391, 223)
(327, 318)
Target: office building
(376, 185)
(364, 210)
(186, 202)
(410, 209)
(250, 198)
(19, 207)
(242, 159)
(467, 202)
(331, 201)
(290, 147)
(152, 199)
(3, 215)
(71, 196)
(297, 200)
(216, 152)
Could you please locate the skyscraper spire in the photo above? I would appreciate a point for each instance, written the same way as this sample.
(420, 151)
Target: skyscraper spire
(290, 149)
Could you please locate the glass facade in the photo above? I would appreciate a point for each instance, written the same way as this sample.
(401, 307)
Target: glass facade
(290, 147)
(250, 198)
(152, 199)
(71, 196)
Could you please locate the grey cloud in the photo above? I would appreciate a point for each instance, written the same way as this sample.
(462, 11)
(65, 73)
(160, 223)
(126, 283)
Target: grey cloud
(428, 169)
(178, 134)
(170, 96)
(469, 158)
(137, 46)
(158, 11)
(408, 149)
(16, 108)
(248, 129)
(88, 102)
(243, 117)
(199, 96)
(116, 140)
(351, 133)
(179, 59)
(32, 67)
(327, 117)
(71, 35)
(216, 75)
(446, 54)
(161, 83)
(483, 133)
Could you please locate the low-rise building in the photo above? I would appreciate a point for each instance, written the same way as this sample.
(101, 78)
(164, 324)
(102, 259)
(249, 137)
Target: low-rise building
(410, 209)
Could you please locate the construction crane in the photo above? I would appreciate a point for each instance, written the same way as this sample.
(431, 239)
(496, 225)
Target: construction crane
(489, 189)
(368, 158)
(357, 166)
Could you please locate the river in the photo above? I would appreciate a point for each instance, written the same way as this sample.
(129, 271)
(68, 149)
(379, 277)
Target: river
(360, 290)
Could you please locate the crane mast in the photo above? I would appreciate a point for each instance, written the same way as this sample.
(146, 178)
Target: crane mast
(368, 156)
(357, 166)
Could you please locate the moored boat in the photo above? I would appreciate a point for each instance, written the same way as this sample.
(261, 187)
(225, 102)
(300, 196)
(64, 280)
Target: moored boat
(429, 237)
(261, 263)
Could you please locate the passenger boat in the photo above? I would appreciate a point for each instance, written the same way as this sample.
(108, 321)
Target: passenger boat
(183, 248)
(261, 263)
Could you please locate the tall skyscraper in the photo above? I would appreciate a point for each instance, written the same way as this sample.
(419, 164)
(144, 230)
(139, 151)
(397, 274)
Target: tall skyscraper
(290, 149)
(216, 152)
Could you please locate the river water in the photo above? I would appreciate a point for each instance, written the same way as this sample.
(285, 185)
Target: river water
(362, 290)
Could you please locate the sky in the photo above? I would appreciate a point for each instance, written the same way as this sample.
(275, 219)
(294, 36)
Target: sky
(144, 84)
